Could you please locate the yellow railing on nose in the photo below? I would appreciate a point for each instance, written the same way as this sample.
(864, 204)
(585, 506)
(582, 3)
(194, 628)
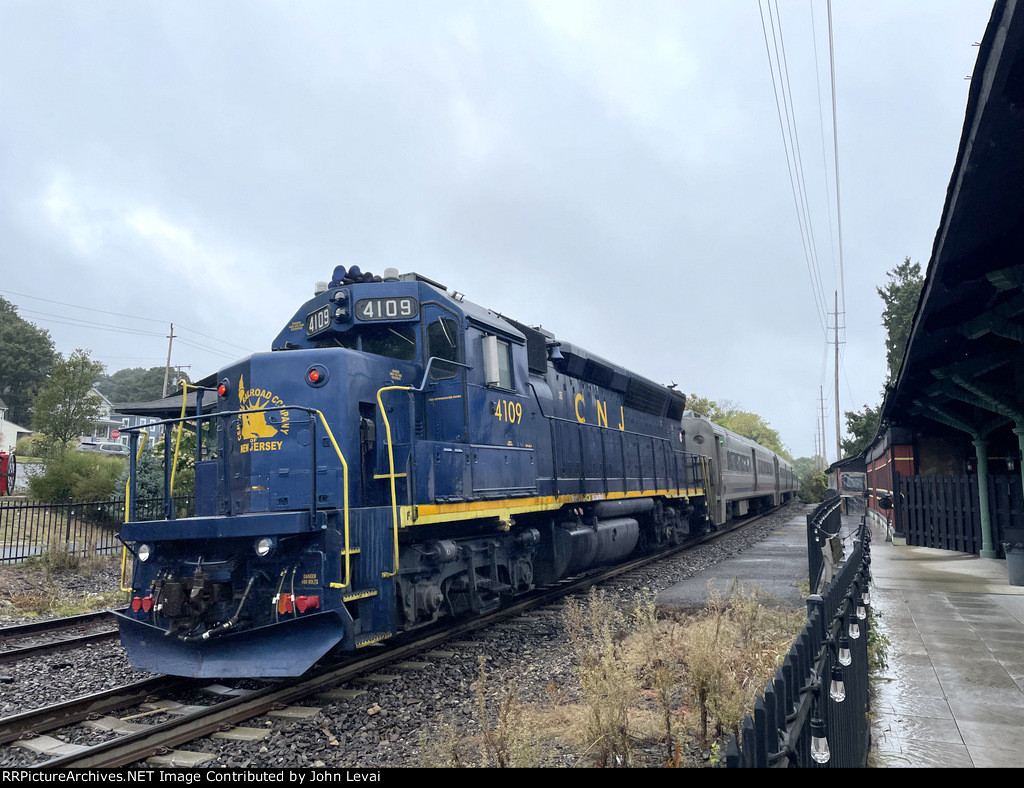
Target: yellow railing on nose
(391, 470)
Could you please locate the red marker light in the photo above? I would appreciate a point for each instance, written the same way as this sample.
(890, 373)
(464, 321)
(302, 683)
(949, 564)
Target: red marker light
(222, 389)
(314, 375)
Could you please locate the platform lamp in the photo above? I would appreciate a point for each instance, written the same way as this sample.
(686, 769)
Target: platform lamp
(820, 752)
(837, 687)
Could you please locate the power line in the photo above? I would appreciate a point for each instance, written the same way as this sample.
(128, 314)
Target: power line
(821, 129)
(60, 318)
(798, 157)
(794, 170)
(835, 147)
(67, 321)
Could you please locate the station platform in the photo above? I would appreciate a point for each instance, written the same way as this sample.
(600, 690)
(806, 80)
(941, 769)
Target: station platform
(952, 692)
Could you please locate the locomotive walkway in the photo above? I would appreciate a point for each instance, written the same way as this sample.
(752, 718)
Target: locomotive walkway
(952, 693)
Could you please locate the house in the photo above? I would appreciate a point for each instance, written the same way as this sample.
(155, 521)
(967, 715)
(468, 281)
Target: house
(109, 425)
(105, 423)
(10, 433)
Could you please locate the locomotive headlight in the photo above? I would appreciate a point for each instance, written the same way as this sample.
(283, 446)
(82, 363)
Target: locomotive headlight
(265, 546)
(144, 552)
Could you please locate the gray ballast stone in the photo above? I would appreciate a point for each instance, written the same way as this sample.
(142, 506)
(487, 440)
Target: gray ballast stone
(180, 759)
(241, 734)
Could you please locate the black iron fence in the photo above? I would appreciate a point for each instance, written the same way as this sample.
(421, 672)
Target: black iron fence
(82, 528)
(822, 528)
(814, 713)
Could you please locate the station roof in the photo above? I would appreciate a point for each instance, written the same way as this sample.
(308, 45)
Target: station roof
(170, 407)
(964, 364)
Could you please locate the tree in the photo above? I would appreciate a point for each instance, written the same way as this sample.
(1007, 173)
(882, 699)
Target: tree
(728, 414)
(135, 384)
(26, 355)
(64, 409)
(900, 297)
(813, 487)
(862, 425)
(708, 408)
(806, 467)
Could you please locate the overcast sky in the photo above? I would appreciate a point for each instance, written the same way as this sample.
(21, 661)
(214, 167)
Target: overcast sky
(615, 172)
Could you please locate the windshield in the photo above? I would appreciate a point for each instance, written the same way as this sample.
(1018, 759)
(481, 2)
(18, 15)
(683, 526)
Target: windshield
(394, 341)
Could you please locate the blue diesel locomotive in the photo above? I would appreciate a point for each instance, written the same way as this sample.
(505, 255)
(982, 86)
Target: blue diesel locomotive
(402, 455)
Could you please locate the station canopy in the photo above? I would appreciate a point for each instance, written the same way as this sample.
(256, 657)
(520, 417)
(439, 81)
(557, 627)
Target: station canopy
(964, 363)
(170, 407)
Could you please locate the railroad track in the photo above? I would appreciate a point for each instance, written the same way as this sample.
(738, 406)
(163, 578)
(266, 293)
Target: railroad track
(135, 744)
(81, 630)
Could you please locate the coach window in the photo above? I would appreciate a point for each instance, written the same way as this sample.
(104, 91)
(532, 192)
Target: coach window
(443, 345)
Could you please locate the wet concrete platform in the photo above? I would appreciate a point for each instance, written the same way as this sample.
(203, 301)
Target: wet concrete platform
(952, 692)
(777, 567)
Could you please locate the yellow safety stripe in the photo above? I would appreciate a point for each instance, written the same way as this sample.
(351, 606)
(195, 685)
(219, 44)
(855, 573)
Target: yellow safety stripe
(506, 508)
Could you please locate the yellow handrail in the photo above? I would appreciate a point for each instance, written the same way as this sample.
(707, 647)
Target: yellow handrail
(391, 470)
(177, 438)
(344, 479)
(124, 550)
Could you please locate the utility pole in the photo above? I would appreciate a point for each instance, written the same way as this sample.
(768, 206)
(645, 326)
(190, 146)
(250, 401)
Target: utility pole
(839, 450)
(167, 368)
(177, 373)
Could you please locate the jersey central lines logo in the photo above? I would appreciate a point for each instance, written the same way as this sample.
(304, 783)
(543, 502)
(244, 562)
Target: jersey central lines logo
(253, 429)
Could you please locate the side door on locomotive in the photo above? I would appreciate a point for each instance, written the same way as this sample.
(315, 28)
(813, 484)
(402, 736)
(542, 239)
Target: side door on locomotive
(501, 417)
(442, 453)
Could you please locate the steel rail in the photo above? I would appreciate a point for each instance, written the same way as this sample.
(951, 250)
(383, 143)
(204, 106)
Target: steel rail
(52, 625)
(75, 710)
(24, 652)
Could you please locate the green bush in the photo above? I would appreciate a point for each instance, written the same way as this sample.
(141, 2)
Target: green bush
(813, 488)
(149, 475)
(30, 446)
(77, 476)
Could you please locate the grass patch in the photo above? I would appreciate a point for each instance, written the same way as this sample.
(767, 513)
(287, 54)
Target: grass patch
(656, 687)
(58, 559)
(31, 604)
(46, 585)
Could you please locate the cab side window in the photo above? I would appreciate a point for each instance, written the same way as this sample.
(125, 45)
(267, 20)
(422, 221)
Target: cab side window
(504, 364)
(443, 344)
